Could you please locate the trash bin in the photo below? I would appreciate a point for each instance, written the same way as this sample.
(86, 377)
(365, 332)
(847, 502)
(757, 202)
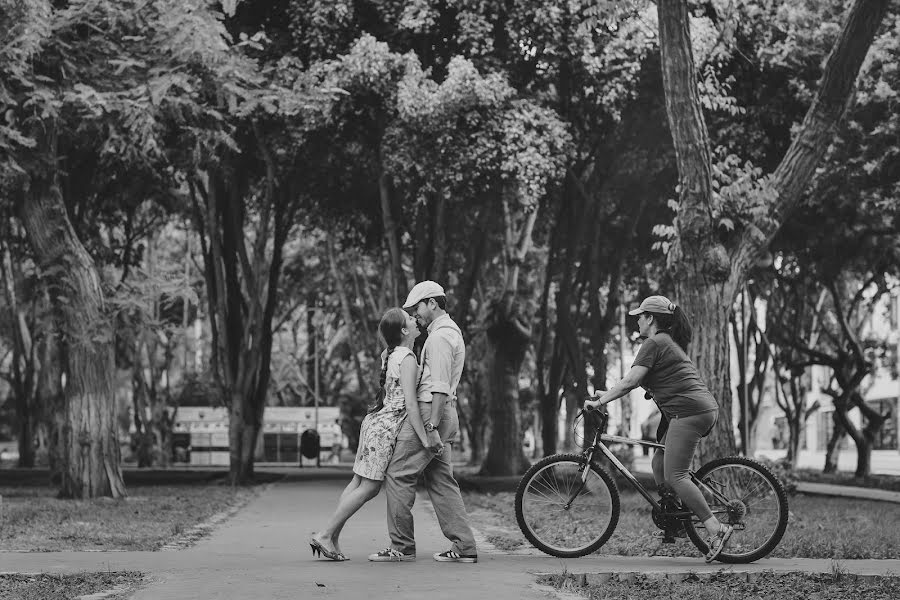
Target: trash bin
(310, 446)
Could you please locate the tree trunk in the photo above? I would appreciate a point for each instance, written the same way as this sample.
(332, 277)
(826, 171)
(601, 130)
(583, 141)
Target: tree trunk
(26, 436)
(243, 288)
(863, 458)
(866, 438)
(549, 411)
(475, 416)
(571, 399)
(833, 448)
(163, 422)
(707, 274)
(392, 238)
(702, 267)
(25, 364)
(796, 416)
(508, 340)
(710, 353)
(835, 94)
(793, 448)
(240, 457)
(90, 463)
(50, 399)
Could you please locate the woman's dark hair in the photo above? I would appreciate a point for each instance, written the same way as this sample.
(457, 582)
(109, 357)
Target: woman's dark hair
(676, 325)
(391, 329)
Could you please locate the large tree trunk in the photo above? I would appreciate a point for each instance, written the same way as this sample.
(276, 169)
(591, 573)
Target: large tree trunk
(242, 283)
(509, 339)
(90, 463)
(701, 264)
(509, 336)
(707, 274)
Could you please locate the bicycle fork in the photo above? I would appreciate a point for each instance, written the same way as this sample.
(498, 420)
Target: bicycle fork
(583, 472)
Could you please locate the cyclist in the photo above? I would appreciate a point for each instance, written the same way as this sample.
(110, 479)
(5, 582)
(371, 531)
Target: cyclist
(663, 368)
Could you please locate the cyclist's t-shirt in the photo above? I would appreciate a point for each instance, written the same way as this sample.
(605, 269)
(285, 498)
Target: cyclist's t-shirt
(673, 379)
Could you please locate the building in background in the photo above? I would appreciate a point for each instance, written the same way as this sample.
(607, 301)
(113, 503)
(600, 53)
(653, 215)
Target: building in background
(201, 434)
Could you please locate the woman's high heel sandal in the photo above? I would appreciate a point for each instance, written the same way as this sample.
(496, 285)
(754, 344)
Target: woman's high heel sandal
(318, 548)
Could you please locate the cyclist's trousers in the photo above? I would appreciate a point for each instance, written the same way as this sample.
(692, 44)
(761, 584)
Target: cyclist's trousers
(672, 465)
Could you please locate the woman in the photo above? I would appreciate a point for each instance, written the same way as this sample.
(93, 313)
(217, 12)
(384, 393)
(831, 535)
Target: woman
(396, 401)
(663, 368)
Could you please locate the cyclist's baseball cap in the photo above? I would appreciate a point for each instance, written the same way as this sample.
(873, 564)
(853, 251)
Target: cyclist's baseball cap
(423, 291)
(655, 304)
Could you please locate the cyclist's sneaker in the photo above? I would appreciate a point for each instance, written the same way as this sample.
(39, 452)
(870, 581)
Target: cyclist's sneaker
(391, 555)
(452, 556)
(718, 541)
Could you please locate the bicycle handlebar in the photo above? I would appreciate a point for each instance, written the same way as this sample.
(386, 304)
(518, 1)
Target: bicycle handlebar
(598, 414)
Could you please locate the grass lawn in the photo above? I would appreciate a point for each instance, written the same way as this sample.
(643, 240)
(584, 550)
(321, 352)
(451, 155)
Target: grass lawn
(65, 587)
(34, 520)
(819, 527)
(725, 586)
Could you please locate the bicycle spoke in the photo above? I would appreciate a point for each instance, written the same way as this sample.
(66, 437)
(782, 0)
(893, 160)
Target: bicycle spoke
(552, 491)
(740, 493)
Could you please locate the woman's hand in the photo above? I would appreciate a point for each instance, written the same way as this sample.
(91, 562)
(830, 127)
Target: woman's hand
(593, 404)
(433, 442)
(596, 404)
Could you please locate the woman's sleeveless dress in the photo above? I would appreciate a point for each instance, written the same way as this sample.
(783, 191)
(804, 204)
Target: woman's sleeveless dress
(378, 434)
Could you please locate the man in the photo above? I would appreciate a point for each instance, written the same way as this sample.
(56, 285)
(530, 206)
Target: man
(442, 360)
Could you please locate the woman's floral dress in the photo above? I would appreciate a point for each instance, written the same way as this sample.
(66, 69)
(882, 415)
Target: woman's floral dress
(378, 434)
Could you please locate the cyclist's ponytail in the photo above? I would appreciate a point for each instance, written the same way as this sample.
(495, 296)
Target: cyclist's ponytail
(680, 329)
(676, 324)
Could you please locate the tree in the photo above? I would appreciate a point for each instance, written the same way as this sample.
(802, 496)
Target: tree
(709, 261)
(91, 100)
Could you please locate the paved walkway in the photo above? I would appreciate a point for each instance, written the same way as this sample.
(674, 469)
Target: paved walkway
(847, 491)
(261, 553)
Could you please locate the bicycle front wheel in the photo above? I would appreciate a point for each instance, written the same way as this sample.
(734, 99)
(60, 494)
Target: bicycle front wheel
(744, 494)
(567, 507)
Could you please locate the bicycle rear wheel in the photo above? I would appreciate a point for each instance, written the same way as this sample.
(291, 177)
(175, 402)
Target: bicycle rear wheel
(556, 516)
(743, 493)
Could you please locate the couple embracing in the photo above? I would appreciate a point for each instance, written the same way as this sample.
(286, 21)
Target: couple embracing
(408, 432)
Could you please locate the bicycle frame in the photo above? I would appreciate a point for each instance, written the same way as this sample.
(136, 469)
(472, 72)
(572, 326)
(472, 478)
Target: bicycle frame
(599, 445)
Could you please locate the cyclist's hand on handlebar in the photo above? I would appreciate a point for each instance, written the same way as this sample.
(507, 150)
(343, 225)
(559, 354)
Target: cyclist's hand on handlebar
(594, 405)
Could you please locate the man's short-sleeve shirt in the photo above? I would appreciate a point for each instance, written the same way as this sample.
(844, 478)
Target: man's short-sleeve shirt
(443, 358)
(673, 379)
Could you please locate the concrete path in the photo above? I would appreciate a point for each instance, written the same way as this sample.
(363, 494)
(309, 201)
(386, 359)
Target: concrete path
(846, 491)
(262, 553)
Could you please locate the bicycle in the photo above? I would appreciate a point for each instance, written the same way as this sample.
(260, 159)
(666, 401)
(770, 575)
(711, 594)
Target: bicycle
(567, 505)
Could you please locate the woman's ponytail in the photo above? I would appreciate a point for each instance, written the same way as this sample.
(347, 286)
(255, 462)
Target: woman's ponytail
(391, 328)
(680, 329)
(379, 397)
